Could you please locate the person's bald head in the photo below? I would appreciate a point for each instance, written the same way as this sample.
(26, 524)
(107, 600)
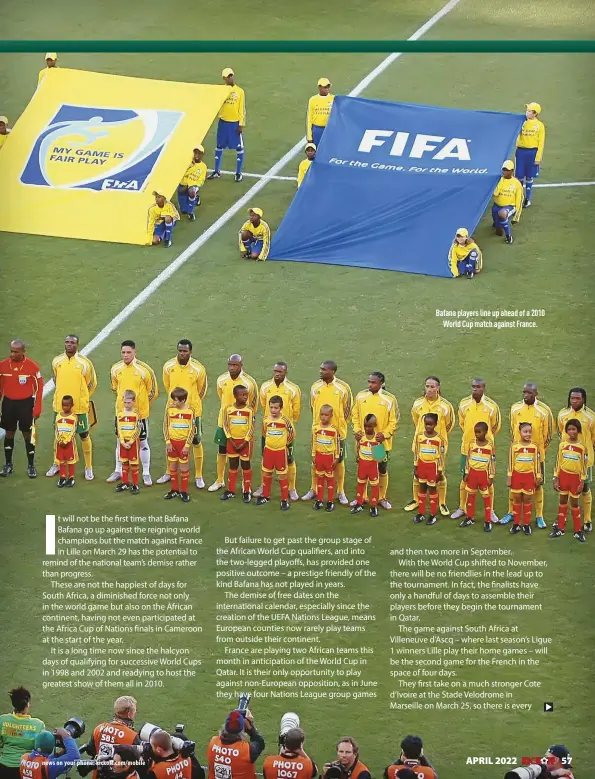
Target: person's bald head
(17, 350)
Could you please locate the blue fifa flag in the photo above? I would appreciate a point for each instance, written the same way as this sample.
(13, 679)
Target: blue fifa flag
(392, 182)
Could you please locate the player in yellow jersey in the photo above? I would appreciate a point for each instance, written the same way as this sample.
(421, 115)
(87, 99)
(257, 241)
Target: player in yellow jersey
(186, 372)
(278, 435)
(51, 61)
(4, 130)
(319, 111)
(465, 257)
(163, 217)
(508, 201)
(75, 375)
(529, 149)
(570, 473)
(192, 181)
(234, 376)
(432, 402)
(332, 391)
(178, 431)
(231, 126)
(383, 405)
(238, 426)
(304, 165)
(133, 374)
(577, 409)
(255, 236)
(540, 416)
(292, 406)
(65, 451)
(476, 407)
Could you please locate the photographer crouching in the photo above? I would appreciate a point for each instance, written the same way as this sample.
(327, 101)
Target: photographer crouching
(347, 765)
(292, 762)
(229, 754)
(168, 762)
(556, 764)
(42, 763)
(412, 758)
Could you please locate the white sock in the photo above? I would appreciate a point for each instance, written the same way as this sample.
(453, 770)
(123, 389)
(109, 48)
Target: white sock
(145, 457)
(118, 462)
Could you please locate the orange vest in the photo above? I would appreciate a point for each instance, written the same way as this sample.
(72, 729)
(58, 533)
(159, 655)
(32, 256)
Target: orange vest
(111, 733)
(421, 771)
(177, 767)
(230, 761)
(280, 767)
(34, 766)
(359, 768)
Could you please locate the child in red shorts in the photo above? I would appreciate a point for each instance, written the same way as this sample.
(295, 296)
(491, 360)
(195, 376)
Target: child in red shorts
(238, 426)
(428, 465)
(524, 475)
(367, 467)
(480, 470)
(277, 432)
(65, 451)
(178, 430)
(326, 450)
(570, 473)
(128, 430)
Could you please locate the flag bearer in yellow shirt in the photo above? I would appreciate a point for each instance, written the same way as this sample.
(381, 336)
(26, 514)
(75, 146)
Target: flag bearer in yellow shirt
(319, 111)
(508, 201)
(163, 217)
(232, 122)
(4, 130)
(529, 149)
(75, 375)
(304, 165)
(465, 257)
(192, 181)
(51, 61)
(255, 236)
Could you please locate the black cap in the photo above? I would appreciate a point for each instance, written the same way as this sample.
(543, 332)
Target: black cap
(559, 750)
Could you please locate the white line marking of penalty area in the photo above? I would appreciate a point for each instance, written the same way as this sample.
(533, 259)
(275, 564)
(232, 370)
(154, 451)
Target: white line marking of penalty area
(270, 175)
(294, 178)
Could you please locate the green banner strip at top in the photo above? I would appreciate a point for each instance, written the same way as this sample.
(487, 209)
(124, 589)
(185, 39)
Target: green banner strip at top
(301, 47)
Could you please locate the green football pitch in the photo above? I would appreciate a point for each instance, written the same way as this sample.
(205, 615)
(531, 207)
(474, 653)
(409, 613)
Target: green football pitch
(303, 314)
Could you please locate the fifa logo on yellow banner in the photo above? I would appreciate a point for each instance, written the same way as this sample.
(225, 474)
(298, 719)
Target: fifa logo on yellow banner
(85, 147)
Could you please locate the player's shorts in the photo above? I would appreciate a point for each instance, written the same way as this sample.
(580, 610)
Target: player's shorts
(342, 452)
(510, 210)
(290, 454)
(463, 465)
(82, 425)
(129, 455)
(245, 454)
(523, 482)
(367, 470)
(177, 456)
(66, 454)
(274, 460)
(17, 413)
(525, 166)
(317, 132)
(159, 229)
(468, 264)
(228, 136)
(568, 484)
(427, 473)
(323, 464)
(477, 480)
(253, 245)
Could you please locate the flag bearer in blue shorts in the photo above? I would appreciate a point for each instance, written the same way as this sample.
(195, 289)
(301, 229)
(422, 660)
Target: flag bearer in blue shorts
(232, 121)
(529, 149)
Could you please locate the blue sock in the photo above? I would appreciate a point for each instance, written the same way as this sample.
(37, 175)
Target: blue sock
(247, 245)
(528, 188)
(168, 231)
(218, 158)
(191, 204)
(506, 225)
(239, 161)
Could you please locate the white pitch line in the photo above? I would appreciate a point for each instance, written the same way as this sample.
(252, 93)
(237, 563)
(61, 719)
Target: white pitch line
(242, 202)
(294, 178)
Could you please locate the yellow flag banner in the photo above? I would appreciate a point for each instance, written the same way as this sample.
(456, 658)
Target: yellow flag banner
(90, 148)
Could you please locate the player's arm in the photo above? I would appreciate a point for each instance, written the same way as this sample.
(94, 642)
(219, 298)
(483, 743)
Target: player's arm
(290, 432)
(415, 450)
(415, 415)
(202, 383)
(313, 437)
(391, 425)
(540, 143)
(309, 117)
(560, 423)
(510, 461)
(512, 422)
(549, 428)
(347, 403)
(492, 464)
(496, 420)
(166, 426)
(266, 242)
(262, 396)
(165, 379)
(226, 425)
(113, 380)
(253, 396)
(54, 363)
(137, 430)
(150, 381)
(37, 390)
(190, 436)
(442, 455)
(91, 378)
(584, 466)
(297, 406)
(337, 445)
(450, 417)
(356, 417)
(461, 416)
(537, 468)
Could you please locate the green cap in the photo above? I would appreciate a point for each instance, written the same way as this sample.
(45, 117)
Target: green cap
(45, 742)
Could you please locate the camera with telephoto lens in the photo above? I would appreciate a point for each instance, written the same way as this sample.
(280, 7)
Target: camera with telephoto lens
(179, 742)
(334, 771)
(527, 772)
(243, 703)
(75, 727)
(289, 721)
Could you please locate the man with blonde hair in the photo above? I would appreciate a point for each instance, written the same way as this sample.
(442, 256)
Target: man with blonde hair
(119, 730)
